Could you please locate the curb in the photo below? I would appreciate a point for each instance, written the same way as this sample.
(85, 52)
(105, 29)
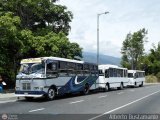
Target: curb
(8, 98)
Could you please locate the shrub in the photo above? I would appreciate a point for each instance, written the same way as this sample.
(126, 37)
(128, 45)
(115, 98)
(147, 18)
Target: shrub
(158, 76)
(151, 79)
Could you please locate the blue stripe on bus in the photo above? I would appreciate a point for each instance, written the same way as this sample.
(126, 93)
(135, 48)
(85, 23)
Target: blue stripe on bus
(31, 92)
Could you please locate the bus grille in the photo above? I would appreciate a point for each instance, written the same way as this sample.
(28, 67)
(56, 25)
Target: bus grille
(26, 86)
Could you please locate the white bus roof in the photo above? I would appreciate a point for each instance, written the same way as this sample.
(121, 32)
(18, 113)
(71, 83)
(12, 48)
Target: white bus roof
(107, 66)
(31, 60)
(63, 59)
(134, 71)
(38, 60)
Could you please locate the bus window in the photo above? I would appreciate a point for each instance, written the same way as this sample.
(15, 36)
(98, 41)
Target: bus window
(51, 69)
(114, 72)
(118, 72)
(130, 75)
(86, 67)
(110, 72)
(106, 74)
(79, 66)
(135, 75)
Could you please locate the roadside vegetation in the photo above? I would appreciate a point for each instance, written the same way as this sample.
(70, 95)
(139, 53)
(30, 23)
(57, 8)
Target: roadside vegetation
(151, 79)
(134, 57)
(33, 28)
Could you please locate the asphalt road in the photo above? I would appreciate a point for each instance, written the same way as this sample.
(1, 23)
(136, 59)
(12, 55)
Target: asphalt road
(97, 105)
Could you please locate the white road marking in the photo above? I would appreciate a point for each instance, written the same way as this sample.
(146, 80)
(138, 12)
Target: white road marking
(76, 101)
(120, 93)
(102, 96)
(36, 110)
(124, 105)
(8, 101)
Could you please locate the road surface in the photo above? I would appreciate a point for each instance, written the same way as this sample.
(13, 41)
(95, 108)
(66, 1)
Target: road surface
(95, 106)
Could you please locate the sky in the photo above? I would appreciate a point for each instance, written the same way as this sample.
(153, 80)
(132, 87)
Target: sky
(124, 16)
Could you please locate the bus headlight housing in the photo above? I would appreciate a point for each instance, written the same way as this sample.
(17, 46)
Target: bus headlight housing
(39, 88)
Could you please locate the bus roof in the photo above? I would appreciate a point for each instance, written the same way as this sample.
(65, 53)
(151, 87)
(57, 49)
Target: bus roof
(38, 60)
(134, 71)
(31, 60)
(63, 59)
(107, 66)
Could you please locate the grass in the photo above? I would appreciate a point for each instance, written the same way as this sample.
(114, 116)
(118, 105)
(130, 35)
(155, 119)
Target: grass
(151, 79)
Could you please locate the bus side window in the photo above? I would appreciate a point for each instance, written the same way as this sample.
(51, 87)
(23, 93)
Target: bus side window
(135, 75)
(106, 74)
(52, 66)
(51, 69)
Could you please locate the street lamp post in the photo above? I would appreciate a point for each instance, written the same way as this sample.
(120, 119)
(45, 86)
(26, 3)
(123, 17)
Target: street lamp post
(98, 15)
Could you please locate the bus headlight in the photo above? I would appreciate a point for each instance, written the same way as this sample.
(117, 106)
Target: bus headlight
(39, 88)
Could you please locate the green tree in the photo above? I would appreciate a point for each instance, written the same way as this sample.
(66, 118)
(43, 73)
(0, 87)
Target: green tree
(54, 44)
(44, 26)
(154, 58)
(10, 45)
(133, 48)
(38, 14)
(33, 28)
(125, 62)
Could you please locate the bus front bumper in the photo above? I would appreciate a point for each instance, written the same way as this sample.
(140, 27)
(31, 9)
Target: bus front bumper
(35, 94)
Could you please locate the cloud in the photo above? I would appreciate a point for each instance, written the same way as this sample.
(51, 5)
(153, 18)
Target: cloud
(125, 16)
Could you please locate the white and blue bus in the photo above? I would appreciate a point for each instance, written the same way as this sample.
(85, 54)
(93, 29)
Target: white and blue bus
(112, 76)
(136, 78)
(51, 76)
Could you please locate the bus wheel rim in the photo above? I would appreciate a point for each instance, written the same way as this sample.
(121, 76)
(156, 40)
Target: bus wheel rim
(51, 93)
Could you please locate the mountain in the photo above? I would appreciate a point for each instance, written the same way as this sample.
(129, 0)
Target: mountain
(103, 59)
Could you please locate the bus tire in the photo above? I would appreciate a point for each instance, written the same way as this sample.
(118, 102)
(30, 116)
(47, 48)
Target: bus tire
(106, 88)
(121, 86)
(86, 89)
(141, 85)
(135, 84)
(51, 94)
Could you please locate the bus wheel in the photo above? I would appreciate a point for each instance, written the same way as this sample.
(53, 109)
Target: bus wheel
(86, 89)
(121, 86)
(135, 84)
(29, 98)
(51, 94)
(141, 84)
(106, 88)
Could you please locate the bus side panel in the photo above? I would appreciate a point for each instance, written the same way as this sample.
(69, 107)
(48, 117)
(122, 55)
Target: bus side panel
(73, 86)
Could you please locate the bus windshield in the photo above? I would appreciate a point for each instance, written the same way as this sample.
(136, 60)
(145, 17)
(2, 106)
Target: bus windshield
(130, 75)
(29, 68)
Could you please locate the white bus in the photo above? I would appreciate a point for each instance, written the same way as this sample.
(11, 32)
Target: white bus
(112, 76)
(51, 76)
(136, 78)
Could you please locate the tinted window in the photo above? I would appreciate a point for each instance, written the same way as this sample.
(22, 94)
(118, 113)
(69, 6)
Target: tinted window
(106, 74)
(130, 75)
